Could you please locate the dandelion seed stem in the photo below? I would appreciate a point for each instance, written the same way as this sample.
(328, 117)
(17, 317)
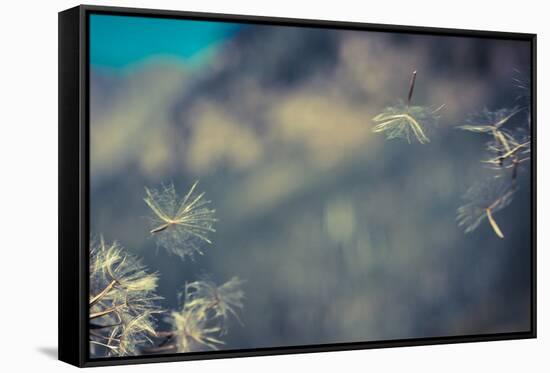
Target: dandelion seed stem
(102, 293)
(411, 87)
(161, 228)
(505, 119)
(99, 335)
(499, 160)
(112, 337)
(500, 137)
(515, 149)
(493, 223)
(114, 348)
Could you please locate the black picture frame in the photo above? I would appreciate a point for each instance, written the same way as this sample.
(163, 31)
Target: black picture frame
(74, 185)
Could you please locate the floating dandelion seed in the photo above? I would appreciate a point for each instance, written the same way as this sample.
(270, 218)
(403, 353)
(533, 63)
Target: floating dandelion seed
(221, 301)
(406, 121)
(122, 301)
(508, 148)
(206, 309)
(193, 332)
(482, 201)
(181, 226)
(511, 155)
(202, 321)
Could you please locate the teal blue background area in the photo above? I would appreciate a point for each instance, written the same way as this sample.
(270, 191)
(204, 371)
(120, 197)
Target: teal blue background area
(120, 41)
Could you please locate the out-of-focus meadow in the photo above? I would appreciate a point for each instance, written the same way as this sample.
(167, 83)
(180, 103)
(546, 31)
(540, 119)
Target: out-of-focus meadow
(340, 234)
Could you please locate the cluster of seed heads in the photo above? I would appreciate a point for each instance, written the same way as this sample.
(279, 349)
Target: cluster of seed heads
(123, 304)
(201, 322)
(122, 301)
(508, 147)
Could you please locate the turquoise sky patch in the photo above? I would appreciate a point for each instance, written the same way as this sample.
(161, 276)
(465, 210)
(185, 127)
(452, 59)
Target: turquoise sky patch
(120, 41)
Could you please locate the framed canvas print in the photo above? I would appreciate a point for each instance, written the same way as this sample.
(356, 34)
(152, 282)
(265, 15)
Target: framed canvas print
(237, 186)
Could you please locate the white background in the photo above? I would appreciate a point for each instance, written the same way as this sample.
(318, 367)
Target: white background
(28, 184)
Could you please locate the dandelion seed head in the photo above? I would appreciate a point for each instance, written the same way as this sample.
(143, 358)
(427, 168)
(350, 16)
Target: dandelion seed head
(122, 301)
(509, 149)
(494, 194)
(509, 143)
(202, 320)
(193, 332)
(512, 149)
(406, 122)
(135, 332)
(180, 225)
(487, 121)
(222, 301)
